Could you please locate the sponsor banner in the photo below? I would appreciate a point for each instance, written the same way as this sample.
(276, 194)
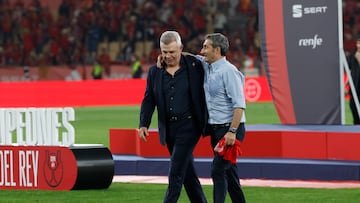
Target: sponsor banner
(300, 49)
(38, 168)
(53, 73)
(257, 90)
(72, 93)
(97, 93)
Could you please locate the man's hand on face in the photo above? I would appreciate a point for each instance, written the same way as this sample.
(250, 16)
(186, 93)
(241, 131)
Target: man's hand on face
(160, 62)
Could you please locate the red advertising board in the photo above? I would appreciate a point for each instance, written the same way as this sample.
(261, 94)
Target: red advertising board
(37, 168)
(257, 90)
(97, 93)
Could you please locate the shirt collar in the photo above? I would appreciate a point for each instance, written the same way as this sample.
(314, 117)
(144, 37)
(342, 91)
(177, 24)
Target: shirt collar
(182, 64)
(218, 63)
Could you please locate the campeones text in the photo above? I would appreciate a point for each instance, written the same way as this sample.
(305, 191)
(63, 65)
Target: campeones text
(37, 126)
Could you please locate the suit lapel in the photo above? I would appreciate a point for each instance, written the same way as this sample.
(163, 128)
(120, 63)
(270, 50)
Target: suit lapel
(160, 94)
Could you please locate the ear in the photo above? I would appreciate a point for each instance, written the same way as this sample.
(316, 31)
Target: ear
(218, 50)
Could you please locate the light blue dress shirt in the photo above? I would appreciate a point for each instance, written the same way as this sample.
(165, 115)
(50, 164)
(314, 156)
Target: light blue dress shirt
(224, 90)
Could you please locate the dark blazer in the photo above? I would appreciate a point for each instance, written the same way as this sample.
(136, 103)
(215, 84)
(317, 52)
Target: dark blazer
(355, 74)
(154, 96)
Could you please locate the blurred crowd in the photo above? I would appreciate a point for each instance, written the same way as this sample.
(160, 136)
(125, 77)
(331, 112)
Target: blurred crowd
(79, 31)
(351, 24)
(84, 32)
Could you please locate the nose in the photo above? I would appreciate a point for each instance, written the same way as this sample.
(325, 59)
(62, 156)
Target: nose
(167, 56)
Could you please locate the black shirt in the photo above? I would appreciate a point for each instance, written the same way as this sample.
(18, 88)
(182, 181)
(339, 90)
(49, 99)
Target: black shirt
(176, 92)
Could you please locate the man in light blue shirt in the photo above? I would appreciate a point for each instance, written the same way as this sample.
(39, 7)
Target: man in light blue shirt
(223, 89)
(225, 100)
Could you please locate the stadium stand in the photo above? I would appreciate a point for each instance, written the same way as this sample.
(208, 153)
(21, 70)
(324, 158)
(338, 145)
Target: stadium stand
(30, 28)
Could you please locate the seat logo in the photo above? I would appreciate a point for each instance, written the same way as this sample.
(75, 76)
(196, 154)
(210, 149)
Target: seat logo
(298, 11)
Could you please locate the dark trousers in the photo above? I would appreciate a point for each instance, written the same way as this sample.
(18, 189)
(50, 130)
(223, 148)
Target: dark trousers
(181, 139)
(225, 174)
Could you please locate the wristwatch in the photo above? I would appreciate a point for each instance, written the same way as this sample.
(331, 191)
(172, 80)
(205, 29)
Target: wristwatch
(233, 130)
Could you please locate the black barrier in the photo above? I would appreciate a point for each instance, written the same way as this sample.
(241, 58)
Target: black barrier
(95, 166)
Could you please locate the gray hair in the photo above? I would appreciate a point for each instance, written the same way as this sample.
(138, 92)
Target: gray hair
(219, 40)
(170, 36)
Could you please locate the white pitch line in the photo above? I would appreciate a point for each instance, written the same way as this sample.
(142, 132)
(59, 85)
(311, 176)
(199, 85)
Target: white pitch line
(247, 182)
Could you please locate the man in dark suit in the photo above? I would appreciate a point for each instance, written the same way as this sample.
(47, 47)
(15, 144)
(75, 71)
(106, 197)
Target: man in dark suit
(176, 90)
(354, 65)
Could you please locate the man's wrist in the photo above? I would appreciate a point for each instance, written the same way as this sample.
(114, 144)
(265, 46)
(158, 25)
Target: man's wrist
(232, 130)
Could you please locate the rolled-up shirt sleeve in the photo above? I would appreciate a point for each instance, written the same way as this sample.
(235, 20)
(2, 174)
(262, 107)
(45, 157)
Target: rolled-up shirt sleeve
(235, 88)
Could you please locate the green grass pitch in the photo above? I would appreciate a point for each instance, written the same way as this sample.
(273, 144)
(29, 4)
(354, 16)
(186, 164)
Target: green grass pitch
(92, 127)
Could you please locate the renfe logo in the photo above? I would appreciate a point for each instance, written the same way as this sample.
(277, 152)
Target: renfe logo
(313, 42)
(298, 10)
